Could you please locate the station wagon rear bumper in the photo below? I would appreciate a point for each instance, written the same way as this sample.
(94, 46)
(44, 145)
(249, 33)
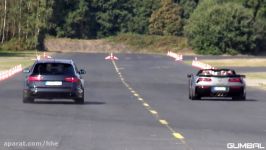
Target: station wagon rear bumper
(50, 93)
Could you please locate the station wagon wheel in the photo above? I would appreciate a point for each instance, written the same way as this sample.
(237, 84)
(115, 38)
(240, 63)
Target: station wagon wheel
(28, 100)
(80, 100)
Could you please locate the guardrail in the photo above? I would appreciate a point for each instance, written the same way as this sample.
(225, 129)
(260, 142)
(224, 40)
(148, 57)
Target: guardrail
(177, 57)
(201, 65)
(10, 72)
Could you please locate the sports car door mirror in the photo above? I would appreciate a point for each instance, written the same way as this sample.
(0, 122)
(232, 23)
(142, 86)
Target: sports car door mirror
(81, 71)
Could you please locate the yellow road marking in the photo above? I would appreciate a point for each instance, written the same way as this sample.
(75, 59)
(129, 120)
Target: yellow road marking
(164, 122)
(137, 95)
(146, 105)
(140, 99)
(133, 92)
(153, 112)
(178, 135)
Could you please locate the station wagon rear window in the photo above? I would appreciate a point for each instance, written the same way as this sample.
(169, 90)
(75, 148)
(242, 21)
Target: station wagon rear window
(53, 69)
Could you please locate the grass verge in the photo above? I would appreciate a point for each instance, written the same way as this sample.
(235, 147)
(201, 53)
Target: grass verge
(9, 59)
(257, 75)
(257, 79)
(251, 62)
(151, 43)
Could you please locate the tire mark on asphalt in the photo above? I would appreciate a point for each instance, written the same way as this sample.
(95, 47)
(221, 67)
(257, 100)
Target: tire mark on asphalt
(178, 136)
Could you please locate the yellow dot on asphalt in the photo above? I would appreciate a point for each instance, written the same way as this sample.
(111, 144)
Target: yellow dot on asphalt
(153, 112)
(178, 135)
(146, 105)
(164, 122)
(140, 99)
(136, 94)
(133, 92)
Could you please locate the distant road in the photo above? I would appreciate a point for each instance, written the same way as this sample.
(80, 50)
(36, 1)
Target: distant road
(137, 107)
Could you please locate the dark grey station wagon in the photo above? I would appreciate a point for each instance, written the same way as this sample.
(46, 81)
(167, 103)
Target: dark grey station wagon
(53, 79)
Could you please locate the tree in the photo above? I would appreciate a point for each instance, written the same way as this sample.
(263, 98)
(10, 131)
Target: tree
(221, 27)
(24, 22)
(112, 16)
(141, 14)
(258, 8)
(260, 28)
(43, 15)
(73, 19)
(167, 20)
(4, 22)
(189, 6)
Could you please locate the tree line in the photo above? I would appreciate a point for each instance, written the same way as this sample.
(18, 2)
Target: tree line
(23, 21)
(212, 26)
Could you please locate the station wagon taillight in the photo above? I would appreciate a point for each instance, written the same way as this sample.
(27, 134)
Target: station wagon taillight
(34, 78)
(71, 79)
(235, 80)
(204, 80)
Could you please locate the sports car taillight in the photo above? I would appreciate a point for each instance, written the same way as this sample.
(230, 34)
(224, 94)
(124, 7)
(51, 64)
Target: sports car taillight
(204, 80)
(34, 78)
(235, 80)
(71, 79)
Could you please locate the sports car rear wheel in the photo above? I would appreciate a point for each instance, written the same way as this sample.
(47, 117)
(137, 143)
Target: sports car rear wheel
(195, 97)
(239, 98)
(189, 95)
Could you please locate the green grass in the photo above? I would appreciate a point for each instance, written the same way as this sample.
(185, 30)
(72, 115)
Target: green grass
(150, 43)
(188, 62)
(9, 64)
(223, 63)
(251, 62)
(9, 59)
(4, 53)
(257, 75)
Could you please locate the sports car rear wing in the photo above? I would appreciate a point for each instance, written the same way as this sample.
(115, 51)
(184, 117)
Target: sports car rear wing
(218, 76)
(222, 76)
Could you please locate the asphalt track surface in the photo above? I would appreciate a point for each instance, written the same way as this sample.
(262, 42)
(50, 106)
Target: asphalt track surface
(137, 103)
